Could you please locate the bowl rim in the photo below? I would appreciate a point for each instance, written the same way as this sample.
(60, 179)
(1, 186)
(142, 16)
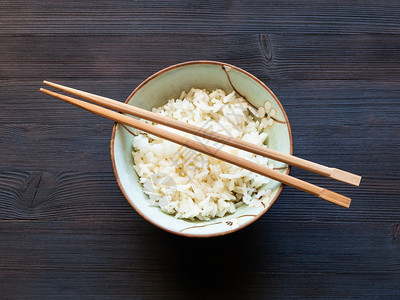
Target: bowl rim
(186, 64)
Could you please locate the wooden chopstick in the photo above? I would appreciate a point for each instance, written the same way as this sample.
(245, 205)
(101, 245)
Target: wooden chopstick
(333, 173)
(208, 150)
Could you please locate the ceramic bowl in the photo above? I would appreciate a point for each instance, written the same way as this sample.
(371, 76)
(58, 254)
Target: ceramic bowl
(169, 83)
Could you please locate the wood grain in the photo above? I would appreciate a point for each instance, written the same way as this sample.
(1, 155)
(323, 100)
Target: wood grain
(201, 17)
(275, 57)
(81, 259)
(67, 196)
(30, 195)
(67, 231)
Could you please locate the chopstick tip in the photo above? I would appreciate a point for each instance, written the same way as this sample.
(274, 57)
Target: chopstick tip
(346, 177)
(335, 198)
(46, 91)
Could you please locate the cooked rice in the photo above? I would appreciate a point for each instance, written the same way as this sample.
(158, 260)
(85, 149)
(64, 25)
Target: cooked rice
(189, 184)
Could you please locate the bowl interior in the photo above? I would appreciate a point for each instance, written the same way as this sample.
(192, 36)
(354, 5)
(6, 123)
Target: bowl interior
(169, 83)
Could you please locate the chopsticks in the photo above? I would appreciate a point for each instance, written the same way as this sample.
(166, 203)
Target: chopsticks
(192, 144)
(333, 173)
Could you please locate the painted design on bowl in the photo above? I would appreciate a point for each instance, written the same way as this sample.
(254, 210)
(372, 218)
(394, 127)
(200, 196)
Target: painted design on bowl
(231, 223)
(269, 111)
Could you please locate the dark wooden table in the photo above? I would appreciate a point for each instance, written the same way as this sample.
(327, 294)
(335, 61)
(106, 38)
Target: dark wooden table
(66, 229)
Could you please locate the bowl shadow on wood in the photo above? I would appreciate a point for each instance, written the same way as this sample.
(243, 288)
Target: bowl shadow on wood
(198, 268)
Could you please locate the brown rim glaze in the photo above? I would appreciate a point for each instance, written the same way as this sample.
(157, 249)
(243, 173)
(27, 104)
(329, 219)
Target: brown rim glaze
(193, 63)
